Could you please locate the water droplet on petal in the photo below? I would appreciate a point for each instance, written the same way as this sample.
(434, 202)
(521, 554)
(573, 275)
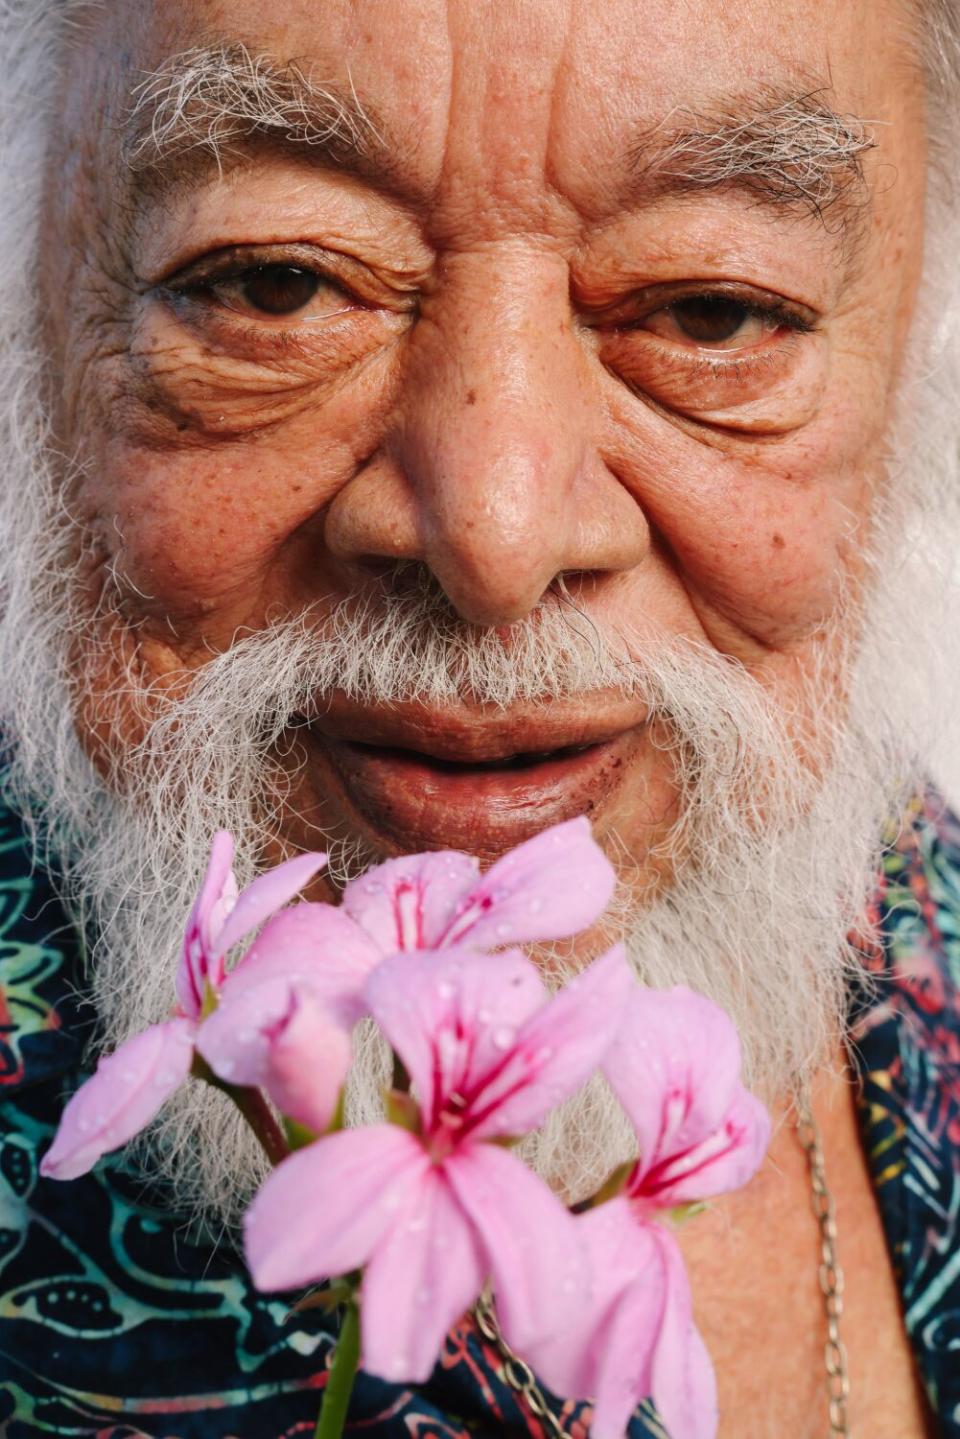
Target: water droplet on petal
(225, 1068)
(445, 989)
(503, 1037)
(536, 905)
(484, 1015)
(502, 931)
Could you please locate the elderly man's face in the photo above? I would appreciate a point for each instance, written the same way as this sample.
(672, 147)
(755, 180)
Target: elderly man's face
(547, 296)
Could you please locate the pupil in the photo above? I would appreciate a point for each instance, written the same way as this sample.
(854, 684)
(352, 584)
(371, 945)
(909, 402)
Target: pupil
(280, 289)
(709, 318)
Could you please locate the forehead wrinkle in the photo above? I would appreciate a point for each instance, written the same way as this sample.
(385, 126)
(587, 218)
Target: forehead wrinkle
(207, 108)
(788, 151)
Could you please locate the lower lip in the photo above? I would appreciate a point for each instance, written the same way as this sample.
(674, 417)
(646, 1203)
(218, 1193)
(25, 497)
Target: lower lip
(407, 803)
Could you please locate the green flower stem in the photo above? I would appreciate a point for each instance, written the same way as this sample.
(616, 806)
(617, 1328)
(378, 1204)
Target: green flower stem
(258, 1114)
(253, 1106)
(343, 1371)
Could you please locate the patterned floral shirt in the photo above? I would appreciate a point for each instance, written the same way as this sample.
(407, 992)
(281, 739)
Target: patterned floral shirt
(115, 1323)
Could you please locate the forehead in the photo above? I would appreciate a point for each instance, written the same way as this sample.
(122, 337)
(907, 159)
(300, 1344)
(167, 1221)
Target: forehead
(526, 99)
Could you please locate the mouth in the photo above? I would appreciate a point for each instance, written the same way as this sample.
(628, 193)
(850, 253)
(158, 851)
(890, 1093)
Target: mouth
(411, 780)
(524, 760)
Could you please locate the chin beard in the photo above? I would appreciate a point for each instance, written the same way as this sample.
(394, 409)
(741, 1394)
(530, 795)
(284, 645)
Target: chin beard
(773, 854)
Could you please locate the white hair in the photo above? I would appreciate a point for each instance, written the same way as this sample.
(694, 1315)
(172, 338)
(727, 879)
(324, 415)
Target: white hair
(777, 866)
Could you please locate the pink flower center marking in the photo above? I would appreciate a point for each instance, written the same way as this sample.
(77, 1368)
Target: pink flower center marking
(408, 911)
(466, 919)
(689, 1162)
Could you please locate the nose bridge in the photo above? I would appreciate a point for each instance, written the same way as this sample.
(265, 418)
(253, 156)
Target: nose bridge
(492, 433)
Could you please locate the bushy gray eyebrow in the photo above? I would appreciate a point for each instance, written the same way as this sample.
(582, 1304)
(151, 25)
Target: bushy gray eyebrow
(204, 101)
(789, 151)
(204, 107)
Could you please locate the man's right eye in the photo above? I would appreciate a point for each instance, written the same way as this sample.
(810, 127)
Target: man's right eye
(272, 291)
(279, 289)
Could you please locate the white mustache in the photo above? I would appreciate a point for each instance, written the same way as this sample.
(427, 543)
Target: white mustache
(402, 641)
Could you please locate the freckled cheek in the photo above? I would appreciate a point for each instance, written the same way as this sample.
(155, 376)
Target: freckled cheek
(198, 522)
(772, 562)
(197, 526)
(767, 535)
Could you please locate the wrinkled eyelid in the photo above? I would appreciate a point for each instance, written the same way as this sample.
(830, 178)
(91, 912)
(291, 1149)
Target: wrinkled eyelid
(775, 314)
(786, 318)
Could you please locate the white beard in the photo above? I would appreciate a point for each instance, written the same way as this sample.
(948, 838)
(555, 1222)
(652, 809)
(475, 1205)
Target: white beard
(776, 864)
(761, 910)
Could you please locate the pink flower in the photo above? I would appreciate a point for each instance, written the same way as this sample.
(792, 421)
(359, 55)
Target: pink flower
(286, 1012)
(675, 1067)
(123, 1095)
(129, 1086)
(284, 1020)
(429, 1215)
(220, 918)
(553, 885)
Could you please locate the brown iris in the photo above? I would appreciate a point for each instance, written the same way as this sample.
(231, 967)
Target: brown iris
(709, 319)
(279, 289)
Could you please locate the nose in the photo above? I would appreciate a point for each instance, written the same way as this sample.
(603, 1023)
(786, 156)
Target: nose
(491, 473)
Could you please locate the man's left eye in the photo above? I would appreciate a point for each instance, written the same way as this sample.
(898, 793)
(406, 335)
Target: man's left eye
(718, 322)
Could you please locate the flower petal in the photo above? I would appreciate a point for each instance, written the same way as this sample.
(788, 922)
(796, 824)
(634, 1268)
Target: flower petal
(309, 1060)
(126, 1090)
(420, 1280)
(634, 1336)
(530, 1242)
(323, 1211)
(312, 944)
(556, 1049)
(605, 1352)
(675, 1068)
(683, 1384)
(268, 893)
(549, 887)
(407, 903)
(280, 1037)
(725, 1161)
(453, 1017)
(217, 891)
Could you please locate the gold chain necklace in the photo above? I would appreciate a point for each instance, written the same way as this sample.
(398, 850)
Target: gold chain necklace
(521, 1378)
(830, 1275)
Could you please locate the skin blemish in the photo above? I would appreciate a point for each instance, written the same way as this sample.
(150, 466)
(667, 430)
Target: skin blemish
(471, 397)
(778, 541)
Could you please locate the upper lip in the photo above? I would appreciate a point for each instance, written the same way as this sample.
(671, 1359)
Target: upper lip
(468, 735)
